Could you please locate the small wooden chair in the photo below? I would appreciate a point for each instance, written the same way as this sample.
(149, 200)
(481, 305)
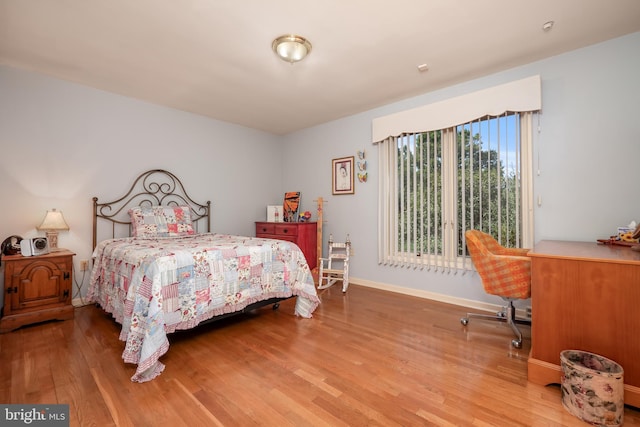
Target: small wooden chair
(336, 265)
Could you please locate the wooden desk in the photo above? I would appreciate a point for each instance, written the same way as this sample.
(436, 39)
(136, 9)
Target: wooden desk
(585, 296)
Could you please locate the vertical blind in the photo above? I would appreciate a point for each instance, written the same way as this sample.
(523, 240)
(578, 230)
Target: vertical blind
(439, 184)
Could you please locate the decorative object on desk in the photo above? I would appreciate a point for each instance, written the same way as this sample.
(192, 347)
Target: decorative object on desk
(615, 242)
(291, 206)
(627, 236)
(592, 388)
(342, 175)
(52, 223)
(636, 235)
(304, 216)
(274, 213)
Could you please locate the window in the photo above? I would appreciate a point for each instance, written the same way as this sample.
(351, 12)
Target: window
(435, 185)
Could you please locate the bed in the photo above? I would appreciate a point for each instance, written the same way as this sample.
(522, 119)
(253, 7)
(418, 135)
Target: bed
(158, 269)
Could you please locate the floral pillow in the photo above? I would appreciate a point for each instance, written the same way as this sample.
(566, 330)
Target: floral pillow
(150, 222)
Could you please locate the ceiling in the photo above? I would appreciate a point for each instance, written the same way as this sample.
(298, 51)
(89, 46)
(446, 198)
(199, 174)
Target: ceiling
(214, 57)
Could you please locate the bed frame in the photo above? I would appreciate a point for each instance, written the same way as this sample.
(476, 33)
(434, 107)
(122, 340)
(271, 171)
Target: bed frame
(153, 188)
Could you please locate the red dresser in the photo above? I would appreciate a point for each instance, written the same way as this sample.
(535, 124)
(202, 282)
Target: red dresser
(303, 234)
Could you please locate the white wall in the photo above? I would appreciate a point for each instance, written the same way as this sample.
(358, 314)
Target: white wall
(586, 153)
(63, 143)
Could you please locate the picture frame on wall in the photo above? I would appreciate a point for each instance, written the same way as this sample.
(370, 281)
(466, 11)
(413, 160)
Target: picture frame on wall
(342, 175)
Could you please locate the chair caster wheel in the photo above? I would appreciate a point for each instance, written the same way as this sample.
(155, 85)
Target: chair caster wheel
(464, 321)
(516, 343)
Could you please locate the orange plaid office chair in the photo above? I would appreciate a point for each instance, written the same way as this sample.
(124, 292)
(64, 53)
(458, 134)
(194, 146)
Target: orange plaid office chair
(505, 272)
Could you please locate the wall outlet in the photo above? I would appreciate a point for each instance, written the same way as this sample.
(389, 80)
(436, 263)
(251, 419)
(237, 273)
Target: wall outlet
(84, 264)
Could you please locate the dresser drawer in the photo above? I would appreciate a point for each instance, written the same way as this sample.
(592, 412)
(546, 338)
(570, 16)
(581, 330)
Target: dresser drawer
(286, 230)
(265, 228)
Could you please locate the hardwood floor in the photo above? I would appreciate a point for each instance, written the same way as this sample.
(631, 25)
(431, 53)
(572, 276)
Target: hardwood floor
(367, 358)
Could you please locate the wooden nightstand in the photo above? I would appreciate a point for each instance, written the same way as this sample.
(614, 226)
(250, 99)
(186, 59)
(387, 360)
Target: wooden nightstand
(36, 289)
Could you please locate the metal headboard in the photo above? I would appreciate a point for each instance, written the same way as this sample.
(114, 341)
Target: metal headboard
(156, 187)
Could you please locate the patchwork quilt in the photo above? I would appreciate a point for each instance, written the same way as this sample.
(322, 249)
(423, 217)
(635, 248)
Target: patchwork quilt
(153, 287)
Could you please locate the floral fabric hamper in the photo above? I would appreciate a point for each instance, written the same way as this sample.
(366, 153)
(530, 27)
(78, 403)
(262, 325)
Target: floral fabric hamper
(592, 388)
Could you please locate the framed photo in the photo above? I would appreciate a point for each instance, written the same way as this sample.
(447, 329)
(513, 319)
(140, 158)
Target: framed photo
(342, 175)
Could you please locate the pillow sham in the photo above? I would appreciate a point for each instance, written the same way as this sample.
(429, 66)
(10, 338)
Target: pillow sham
(150, 222)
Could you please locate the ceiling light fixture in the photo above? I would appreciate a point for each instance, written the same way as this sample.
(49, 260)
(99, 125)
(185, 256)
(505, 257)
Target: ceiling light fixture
(291, 48)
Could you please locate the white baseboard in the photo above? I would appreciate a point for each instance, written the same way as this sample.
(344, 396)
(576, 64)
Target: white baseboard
(463, 302)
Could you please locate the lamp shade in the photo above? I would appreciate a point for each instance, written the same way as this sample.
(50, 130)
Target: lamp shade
(53, 220)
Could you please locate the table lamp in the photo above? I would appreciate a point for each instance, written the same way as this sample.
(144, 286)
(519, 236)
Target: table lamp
(52, 223)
